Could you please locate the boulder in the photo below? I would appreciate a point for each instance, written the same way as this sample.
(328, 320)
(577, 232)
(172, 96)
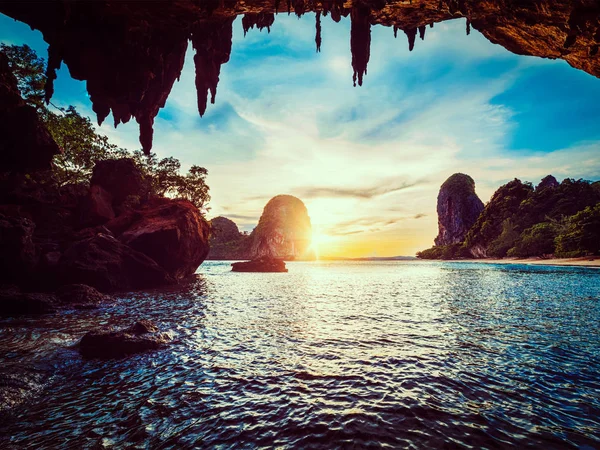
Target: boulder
(226, 241)
(81, 296)
(17, 250)
(107, 343)
(96, 207)
(458, 208)
(263, 264)
(15, 303)
(121, 178)
(171, 232)
(25, 142)
(284, 230)
(107, 265)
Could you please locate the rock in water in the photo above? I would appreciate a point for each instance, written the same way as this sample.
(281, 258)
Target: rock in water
(81, 296)
(107, 343)
(171, 232)
(284, 230)
(263, 264)
(458, 208)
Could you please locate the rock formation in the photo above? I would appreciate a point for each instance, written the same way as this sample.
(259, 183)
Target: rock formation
(226, 241)
(283, 231)
(458, 207)
(152, 38)
(110, 236)
(262, 264)
(107, 343)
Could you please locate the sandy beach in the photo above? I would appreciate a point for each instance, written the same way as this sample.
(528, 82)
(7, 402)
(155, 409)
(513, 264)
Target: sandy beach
(587, 261)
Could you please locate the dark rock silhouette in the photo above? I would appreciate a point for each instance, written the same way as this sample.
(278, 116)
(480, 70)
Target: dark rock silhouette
(458, 208)
(19, 255)
(24, 140)
(283, 231)
(107, 343)
(547, 182)
(107, 265)
(262, 264)
(121, 178)
(96, 207)
(171, 232)
(152, 38)
(81, 296)
(15, 303)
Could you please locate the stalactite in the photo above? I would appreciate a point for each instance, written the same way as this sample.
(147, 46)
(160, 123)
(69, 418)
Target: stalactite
(212, 42)
(289, 7)
(396, 28)
(260, 20)
(277, 2)
(468, 27)
(412, 35)
(360, 41)
(318, 30)
(299, 7)
(422, 29)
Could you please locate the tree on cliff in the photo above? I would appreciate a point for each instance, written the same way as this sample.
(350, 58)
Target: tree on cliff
(82, 146)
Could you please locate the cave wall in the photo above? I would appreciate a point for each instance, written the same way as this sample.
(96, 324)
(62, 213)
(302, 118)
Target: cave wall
(130, 53)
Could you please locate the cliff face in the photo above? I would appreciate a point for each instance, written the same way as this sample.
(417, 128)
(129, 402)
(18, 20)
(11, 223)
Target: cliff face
(226, 241)
(131, 53)
(283, 231)
(458, 207)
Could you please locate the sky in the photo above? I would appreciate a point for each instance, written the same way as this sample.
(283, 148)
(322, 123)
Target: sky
(367, 161)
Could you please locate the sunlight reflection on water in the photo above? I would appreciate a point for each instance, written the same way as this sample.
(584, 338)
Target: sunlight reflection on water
(410, 354)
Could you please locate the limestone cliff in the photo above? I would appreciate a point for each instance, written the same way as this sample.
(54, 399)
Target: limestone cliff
(458, 207)
(226, 241)
(283, 231)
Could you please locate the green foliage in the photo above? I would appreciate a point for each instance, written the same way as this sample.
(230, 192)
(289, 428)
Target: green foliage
(165, 179)
(82, 146)
(29, 70)
(451, 251)
(581, 235)
(500, 246)
(504, 205)
(535, 241)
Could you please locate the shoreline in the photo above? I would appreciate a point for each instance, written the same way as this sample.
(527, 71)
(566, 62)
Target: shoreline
(585, 261)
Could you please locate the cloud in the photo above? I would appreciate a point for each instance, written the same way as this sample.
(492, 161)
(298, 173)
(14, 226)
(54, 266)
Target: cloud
(360, 193)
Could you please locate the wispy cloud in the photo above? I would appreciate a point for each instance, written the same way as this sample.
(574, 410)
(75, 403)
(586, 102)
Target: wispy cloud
(360, 193)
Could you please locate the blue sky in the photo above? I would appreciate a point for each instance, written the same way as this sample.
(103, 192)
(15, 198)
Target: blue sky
(367, 161)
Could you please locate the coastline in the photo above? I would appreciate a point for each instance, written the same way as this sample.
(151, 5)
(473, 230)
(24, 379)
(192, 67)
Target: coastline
(586, 261)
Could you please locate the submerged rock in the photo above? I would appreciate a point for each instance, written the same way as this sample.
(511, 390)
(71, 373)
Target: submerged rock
(458, 208)
(15, 303)
(108, 343)
(263, 264)
(81, 296)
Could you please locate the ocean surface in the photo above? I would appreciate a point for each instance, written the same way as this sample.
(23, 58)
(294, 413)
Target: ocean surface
(330, 355)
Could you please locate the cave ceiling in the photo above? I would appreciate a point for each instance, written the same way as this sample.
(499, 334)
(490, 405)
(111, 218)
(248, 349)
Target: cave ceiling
(131, 52)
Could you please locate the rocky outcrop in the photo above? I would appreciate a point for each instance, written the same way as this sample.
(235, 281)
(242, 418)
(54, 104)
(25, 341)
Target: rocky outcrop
(547, 182)
(135, 81)
(107, 343)
(283, 231)
(119, 179)
(171, 232)
(19, 255)
(263, 264)
(96, 207)
(81, 296)
(24, 140)
(458, 207)
(226, 241)
(107, 264)
(15, 303)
